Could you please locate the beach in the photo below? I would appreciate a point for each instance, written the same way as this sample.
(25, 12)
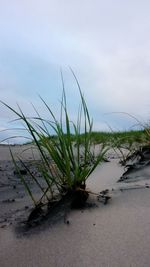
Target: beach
(115, 235)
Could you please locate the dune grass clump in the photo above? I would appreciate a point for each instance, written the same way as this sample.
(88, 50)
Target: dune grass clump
(65, 163)
(131, 143)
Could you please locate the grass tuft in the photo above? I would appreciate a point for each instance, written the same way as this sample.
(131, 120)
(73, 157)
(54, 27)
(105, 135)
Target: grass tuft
(66, 157)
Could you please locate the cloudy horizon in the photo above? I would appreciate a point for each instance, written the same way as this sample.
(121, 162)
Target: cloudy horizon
(105, 43)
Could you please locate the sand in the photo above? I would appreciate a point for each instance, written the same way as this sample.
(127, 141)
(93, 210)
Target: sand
(115, 235)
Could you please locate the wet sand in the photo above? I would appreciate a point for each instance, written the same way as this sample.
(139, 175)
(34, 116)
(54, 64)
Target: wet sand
(26, 152)
(115, 235)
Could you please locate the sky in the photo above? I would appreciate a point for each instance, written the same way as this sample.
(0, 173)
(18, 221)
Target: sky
(106, 43)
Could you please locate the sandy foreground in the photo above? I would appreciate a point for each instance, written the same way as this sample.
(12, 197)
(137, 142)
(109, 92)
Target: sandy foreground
(115, 235)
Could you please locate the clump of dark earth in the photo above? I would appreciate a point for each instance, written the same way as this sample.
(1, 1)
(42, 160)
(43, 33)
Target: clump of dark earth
(73, 199)
(104, 196)
(79, 199)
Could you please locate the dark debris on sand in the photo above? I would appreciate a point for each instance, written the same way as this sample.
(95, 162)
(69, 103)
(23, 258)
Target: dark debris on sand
(136, 162)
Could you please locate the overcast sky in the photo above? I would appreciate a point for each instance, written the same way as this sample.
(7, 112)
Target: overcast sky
(106, 43)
